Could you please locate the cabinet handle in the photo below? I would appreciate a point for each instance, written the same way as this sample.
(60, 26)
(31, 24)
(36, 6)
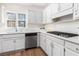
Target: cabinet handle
(14, 41)
(77, 49)
(51, 45)
(75, 13)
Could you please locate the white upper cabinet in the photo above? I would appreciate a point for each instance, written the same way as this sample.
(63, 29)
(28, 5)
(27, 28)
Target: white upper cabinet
(65, 6)
(55, 11)
(76, 11)
(63, 10)
(49, 12)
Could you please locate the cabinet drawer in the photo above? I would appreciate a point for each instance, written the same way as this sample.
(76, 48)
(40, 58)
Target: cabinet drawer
(72, 46)
(12, 35)
(58, 40)
(41, 34)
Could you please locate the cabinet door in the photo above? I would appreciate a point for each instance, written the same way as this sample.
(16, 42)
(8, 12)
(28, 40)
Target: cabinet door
(48, 46)
(8, 45)
(54, 8)
(43, 42)
(44, 16)
(76, 11)
(57, 49)
(49, 12)
(0, 46)
(19, 43)
(65, 6)
(69, 52)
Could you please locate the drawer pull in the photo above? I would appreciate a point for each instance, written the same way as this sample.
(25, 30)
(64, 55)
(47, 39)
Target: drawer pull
(77, 49)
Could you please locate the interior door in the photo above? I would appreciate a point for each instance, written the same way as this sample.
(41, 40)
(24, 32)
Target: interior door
(70, 53)
(57, 49)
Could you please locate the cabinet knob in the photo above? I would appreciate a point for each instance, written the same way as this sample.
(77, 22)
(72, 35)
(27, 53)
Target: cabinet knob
(77, 49)
(14, 41)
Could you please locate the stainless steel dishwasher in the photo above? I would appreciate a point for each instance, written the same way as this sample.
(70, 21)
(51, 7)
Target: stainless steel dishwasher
(31, 40)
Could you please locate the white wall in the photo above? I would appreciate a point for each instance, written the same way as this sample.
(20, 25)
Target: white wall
(16, 7)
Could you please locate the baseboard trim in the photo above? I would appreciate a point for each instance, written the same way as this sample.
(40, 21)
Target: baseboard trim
(44, 51)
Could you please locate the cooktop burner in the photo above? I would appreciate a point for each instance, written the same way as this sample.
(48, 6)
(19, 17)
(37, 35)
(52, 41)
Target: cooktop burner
(63, 34)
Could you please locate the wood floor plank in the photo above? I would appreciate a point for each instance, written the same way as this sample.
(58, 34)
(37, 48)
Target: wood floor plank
(28, 52)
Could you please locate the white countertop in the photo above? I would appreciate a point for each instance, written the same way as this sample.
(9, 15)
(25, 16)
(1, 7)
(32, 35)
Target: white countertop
(27, 31)
(71, 39)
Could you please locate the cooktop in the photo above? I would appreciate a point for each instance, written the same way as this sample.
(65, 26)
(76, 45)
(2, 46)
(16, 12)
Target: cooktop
(63, 34)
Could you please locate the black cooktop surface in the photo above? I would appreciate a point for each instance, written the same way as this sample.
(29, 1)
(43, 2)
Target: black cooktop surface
(63, 34)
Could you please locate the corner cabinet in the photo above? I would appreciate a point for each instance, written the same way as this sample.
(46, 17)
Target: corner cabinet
(51, 47)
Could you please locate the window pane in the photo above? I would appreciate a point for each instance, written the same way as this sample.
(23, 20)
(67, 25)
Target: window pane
(11, 23)
(22, 17)
(21, 23)
(11, 16)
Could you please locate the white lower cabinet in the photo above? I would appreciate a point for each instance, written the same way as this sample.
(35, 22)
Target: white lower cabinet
(69, 52)
(48, 47)
(57, 49)
(13, 43)
(19, 43)
(51, 47)
(43, 42)
(0, 46)
(54, 46)
(8, 45)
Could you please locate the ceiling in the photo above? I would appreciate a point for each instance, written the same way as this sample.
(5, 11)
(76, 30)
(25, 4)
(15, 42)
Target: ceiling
(39, 5)
(36, 5)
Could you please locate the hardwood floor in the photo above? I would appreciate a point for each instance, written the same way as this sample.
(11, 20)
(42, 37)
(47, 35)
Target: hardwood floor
(28, 52)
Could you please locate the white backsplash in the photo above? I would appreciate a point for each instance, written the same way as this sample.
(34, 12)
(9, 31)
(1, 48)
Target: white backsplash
(70, 27)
